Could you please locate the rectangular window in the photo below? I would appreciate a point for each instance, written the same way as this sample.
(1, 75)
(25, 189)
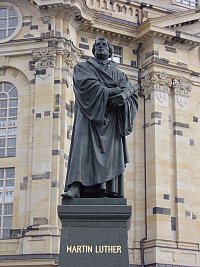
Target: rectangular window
(2, 153)
(10, 172)
(12, 13)
(2, 132)
(12, 22)
(84, 46)
(11, 131)
(3, 12)
(3, 122)
(11, 142)
(11, 152)
(2, 142)
(8, 197)
(10, 183)
(117, 54)
(84, 39)
(13, 103)
(12, 122)
(1, 173)
(8, 209)
(3, 23)
(2, 34)
(3, 103)
(3, 112)
(12, 112)
(6, 200)
(6, 233)
(10, 31)
(7, 221)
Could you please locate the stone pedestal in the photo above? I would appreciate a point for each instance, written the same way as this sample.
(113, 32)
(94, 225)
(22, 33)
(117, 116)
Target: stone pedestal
(94, 232)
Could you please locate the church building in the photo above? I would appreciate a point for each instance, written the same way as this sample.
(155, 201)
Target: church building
(156, 43)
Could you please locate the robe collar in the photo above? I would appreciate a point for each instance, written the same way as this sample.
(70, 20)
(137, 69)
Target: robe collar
(102, 62)
(98, 66)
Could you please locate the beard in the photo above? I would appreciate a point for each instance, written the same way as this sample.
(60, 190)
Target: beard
(102, 55)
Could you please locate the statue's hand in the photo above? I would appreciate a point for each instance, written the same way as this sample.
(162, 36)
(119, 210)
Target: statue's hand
(116, 102)
(115, 91)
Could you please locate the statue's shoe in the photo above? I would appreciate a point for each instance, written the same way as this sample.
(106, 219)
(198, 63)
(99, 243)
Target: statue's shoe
(73, 192)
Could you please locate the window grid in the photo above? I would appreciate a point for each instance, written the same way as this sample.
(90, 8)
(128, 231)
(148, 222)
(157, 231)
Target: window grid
(8, 22)
(8, 119)
(117, 54)
(193, 3)
(6, 201)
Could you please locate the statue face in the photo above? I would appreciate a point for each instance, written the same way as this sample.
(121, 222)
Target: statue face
(101, 49)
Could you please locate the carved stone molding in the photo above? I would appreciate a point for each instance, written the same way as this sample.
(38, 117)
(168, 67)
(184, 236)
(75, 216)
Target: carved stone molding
(44, 57)
(46, 20)
(181, 88)
(159, 83)
(71, 59)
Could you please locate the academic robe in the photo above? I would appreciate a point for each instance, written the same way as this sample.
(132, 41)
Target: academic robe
(98, 153)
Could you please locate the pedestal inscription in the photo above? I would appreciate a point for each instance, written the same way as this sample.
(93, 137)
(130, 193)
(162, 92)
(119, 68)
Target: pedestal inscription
(94, 232)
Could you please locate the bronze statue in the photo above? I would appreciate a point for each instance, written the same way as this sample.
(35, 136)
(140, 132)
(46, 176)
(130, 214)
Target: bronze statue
(105, 107)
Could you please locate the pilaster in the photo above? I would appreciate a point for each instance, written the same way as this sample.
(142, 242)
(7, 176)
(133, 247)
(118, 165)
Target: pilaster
(182, 174)
(156, 87)
(44, 63)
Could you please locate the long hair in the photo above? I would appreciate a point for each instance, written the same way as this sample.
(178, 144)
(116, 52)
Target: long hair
(109, 46)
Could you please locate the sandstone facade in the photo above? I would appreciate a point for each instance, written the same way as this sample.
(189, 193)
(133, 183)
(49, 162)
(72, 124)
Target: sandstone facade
(157, 44)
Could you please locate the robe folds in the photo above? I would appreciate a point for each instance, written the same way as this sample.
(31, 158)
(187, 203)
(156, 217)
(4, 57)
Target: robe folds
(98, 151)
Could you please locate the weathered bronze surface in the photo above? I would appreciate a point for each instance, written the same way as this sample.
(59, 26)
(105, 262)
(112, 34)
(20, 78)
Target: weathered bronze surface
(105, 107)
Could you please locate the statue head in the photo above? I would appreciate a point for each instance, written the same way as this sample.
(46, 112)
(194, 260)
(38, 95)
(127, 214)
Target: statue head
(102, 49)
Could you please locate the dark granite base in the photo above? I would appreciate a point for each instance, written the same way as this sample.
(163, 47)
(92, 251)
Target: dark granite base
(159, 265)
(94, 232)
(165, 265)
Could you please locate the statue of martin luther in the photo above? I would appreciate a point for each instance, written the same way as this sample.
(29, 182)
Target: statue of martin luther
(105, 107)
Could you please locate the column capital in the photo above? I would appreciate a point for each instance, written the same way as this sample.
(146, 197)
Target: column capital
(158, 84)
(156, 81)
(44, 57)
(181, 88)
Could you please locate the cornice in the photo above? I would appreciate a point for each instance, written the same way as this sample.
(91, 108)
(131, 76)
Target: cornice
(77, 7)
(115, 31)
(166, 68)
(100, 22)
(176, 17)
(147, 30)
(91, 20)
(15, 48)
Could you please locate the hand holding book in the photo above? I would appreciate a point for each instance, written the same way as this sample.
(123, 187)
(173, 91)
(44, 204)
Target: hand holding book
(118, 96)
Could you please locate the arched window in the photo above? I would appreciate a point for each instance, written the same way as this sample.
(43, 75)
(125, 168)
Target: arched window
(8, 119)
(6, 201)
(124, 9)
(10, 21)
(111, 6)
(98, 3)
(104, 4)
(117, 8)
(130, 11)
